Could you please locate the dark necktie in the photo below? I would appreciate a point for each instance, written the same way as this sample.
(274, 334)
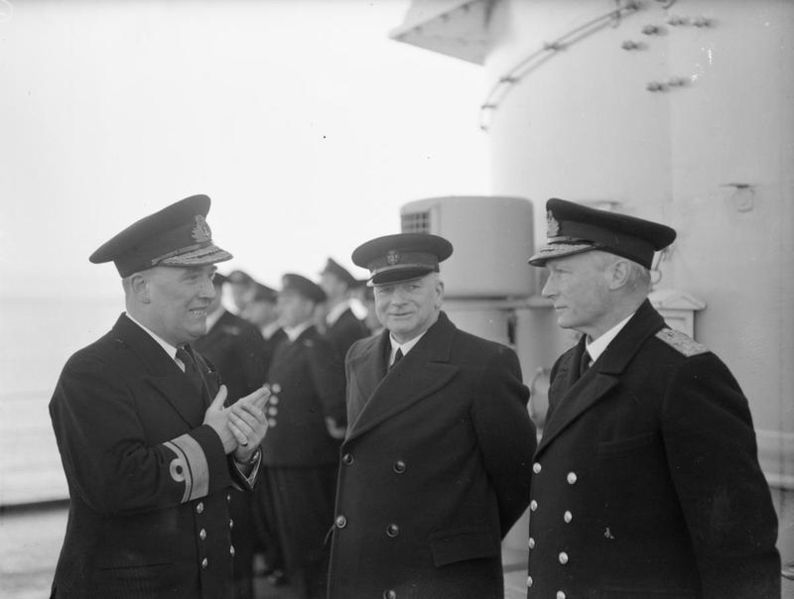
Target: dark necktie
(185, 355)
(584, 362)
(397, 357)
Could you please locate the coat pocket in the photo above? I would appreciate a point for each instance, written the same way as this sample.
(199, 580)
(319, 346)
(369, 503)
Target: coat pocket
(460, 544)
(627, 446)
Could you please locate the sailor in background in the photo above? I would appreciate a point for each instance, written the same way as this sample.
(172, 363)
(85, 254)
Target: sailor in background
(342, 325)
(149, 451)
(646, 482)
(262, 312)
(301, 453)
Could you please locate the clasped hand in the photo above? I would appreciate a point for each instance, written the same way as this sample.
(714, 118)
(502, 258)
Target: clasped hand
(244, 424)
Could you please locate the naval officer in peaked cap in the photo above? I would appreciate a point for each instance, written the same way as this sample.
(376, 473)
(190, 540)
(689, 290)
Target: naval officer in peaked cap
(148, 448)
(435, 463)
(646, 481)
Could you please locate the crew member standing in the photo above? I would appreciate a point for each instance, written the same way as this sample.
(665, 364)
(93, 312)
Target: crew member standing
(646, 481)
(149, 455)
(436, 462)
(342, 326)
(301, 453)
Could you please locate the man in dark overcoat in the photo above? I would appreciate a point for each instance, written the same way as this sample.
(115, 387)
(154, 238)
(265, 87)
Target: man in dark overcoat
(262, 312)
(237, 350)
(646, 482)
(435, 463)
(148, 448)
(343, 327)
(301, 452)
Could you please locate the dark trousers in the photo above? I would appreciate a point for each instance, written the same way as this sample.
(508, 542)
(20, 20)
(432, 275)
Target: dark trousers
(266, 523)
(303, 502)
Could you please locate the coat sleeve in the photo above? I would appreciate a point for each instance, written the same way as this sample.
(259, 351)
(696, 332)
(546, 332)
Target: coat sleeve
(712, 454)
(107, 457)
(505, 434)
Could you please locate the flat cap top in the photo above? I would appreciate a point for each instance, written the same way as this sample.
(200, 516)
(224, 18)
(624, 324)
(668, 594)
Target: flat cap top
(240, 277)
(177, 235)
(299, 284)
(336, 269)
(573, 228)
(263, 293)
(402, 256)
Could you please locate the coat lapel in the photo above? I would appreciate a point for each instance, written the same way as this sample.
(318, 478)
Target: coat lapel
(162, 372)
(367, 371)
(422, 372)
(572, 397)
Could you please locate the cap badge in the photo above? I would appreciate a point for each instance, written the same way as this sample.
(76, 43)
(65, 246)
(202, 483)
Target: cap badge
(552, 226)
(392, 257)
(201, 232)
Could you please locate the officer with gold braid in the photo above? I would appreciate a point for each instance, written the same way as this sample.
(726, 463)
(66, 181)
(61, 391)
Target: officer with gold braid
(148, 447)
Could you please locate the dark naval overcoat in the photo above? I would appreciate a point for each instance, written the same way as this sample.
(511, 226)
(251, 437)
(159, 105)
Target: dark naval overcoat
(434, 468)
(646, 482)
(148, 482)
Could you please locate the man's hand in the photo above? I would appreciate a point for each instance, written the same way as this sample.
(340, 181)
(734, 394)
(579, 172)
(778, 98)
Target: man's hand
(249, 419)
(217, 417)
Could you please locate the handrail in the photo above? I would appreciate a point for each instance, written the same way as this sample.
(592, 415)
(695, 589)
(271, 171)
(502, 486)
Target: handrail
(505, 83)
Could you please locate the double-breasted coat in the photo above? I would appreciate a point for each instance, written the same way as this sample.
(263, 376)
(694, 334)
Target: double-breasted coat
(646, 482)
(434, 468)
(148, 482)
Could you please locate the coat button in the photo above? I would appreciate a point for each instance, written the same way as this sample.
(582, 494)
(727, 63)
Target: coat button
(567, 516)
(200, 507)
(347, 459)
(204, 563)
(529, 582)
(571, 480)
(340, 521)
(231, 550)
(531, 543)
(563, 557)
(392, 530)
(560, 595)
(202, 534)
(399, 467)
(533, 505)
(390, 594)
(231, 523)
(229, 497)
(536, 467)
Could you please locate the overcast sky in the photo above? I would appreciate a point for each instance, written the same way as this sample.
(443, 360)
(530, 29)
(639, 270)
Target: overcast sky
(306, 125)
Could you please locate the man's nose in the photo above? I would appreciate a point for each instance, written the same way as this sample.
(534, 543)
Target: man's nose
(548, 289)
(208, 289)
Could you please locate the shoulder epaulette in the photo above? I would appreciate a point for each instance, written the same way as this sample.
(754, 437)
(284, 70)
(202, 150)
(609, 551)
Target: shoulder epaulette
(681, 342)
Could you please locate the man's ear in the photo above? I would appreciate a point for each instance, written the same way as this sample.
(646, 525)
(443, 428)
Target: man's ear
(139, 286)
(620, 274)
(439, 294)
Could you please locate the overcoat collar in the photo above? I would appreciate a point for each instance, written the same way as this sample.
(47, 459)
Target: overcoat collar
(423, 371)
(162, 372)
(574, 397)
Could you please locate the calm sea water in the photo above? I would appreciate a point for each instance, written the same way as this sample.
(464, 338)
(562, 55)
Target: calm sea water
(39, 334)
